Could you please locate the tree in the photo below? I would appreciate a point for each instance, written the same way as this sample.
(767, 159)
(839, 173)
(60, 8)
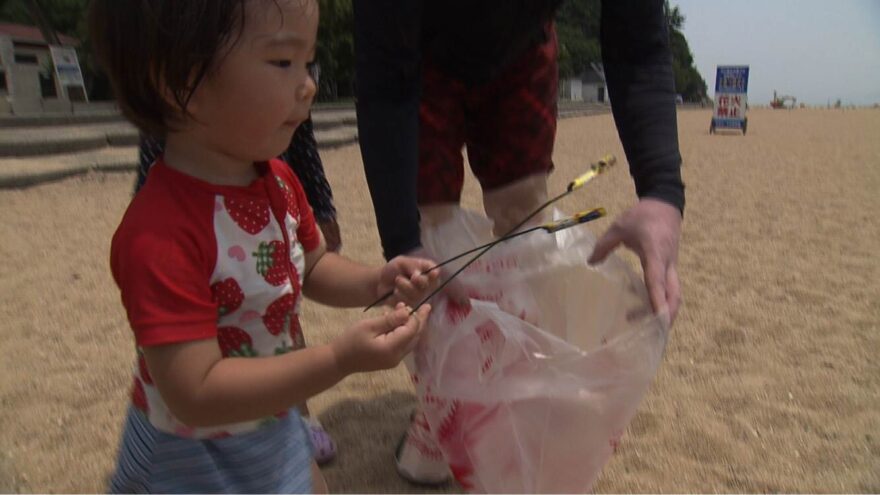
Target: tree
(63, 16)
(56, 17)
(688, 81)
(674, 17)
(577, 27)
(336, 49)
(42, 22)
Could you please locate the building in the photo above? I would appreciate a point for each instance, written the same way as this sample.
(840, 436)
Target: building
(28, 78)
(589, 86)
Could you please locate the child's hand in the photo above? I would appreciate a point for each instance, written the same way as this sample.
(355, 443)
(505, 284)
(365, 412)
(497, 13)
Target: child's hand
(381, 342)
(407, 277)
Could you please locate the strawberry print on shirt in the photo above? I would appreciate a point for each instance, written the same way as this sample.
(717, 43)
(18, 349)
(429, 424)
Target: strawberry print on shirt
(197, 261)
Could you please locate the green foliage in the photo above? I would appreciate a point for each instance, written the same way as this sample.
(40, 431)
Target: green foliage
(577, 28)
(336, 49)
(64, 16)
(674, 17)
(67, 17)
(688, 81)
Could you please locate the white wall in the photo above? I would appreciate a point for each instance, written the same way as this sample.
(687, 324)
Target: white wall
(23, 81)
(591, 92)
(571, 89)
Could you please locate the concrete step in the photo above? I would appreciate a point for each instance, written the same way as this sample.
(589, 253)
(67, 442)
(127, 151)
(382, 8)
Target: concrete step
(332, 118)
(50, 119)
(24, 171)
(569, 109)
(336, 137)
(18, 172)
(37, 154)
(325, 115)
(35, 141)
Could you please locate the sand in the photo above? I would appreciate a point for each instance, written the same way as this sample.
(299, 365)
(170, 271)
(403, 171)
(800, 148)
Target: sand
(771, 380)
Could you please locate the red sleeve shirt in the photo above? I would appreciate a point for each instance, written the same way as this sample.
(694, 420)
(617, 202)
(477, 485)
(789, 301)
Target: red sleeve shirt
(197, 261)
(183, 239)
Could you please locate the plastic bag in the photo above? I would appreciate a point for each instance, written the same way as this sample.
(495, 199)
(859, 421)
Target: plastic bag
(530, 389)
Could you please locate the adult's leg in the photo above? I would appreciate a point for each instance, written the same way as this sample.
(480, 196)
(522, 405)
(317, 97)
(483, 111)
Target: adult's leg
(387, 37)
(440, 181)
(441, 141)
(149, 148)
(510, 134)
(303, 157)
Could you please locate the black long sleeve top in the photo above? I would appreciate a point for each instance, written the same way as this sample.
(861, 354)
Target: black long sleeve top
(473, 40)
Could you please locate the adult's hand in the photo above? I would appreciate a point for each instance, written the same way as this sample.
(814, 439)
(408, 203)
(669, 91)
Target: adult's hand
(651, 229)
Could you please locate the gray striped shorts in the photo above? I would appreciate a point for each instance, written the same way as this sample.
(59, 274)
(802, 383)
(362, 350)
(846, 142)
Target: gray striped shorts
(273, 459)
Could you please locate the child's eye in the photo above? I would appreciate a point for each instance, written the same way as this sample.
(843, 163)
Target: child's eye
(281, 63)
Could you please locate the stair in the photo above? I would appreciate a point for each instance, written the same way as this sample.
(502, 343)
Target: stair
(38, 149)
(570, 109)
(42, 148)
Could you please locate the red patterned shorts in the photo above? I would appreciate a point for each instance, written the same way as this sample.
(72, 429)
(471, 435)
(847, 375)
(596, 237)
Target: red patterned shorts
(508, 125)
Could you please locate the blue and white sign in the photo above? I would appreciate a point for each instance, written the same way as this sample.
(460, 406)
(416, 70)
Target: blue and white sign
(67, 69)
(731, 91)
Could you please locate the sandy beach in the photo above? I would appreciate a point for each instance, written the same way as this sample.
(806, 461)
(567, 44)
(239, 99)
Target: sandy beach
(770, 383)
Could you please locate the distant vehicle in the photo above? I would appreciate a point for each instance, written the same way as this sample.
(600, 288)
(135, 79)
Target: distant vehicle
(679, 100)
(781, 100)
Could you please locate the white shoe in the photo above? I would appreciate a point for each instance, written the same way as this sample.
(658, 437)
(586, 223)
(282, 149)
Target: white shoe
(419, 459)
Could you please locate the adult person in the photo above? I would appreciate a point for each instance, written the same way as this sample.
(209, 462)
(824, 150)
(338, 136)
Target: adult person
(436, 76)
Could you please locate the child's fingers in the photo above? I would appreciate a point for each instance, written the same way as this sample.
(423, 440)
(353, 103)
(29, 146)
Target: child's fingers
(420, 281)
(403, 338)
(410, 266)
(422, 315)
(419, 285)
(399, 341)
(404, 288)
(424, 265)
(390, 320)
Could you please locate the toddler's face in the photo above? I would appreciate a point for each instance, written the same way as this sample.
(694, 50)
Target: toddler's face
(251, 103)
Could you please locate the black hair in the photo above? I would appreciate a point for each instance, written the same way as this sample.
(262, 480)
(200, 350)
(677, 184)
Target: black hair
(159, 50)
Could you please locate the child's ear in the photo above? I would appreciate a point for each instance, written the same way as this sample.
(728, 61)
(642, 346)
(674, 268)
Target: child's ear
(168, 96)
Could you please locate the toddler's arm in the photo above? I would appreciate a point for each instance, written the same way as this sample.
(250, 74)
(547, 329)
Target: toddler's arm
(337, 281)
(202, 388)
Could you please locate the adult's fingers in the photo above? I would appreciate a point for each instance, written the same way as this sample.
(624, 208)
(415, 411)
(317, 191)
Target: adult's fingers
(673, 292)
(609, 241)
(655, 280)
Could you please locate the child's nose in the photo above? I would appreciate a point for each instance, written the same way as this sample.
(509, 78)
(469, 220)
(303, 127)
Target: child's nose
(307, 90)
